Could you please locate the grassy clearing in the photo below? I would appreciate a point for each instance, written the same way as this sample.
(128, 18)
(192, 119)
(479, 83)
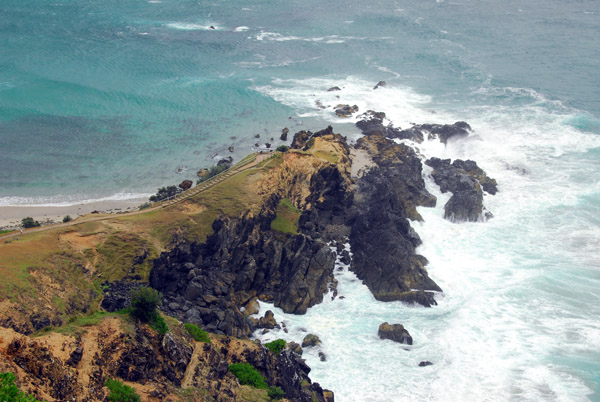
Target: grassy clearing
(287, 218)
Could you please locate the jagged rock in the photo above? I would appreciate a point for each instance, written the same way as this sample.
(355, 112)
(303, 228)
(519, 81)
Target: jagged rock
(425, 364)
(423, 298)
(334, 89)
(75, 357)
(268, 321)
(300, 139)
(252, 307)
(240, 260)
(380, 84)
(394, 332)
(461, 178)
(311, 340)
(443, 132)
(186, 185)
(294, 347)
(284, 134)
(345, 110)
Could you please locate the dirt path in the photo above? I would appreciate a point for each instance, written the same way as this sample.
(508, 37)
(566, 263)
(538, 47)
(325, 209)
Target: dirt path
(182, 197)
(191, 367)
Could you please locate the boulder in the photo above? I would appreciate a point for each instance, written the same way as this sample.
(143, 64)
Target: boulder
(394, 332)
(294, 347)
(230, 149)
(311, 340)
(425, 364)
(186, 185)
(380, 84)
(345, 110)
(284, 134)
(202, 173)
(334, 89)
(75, 357)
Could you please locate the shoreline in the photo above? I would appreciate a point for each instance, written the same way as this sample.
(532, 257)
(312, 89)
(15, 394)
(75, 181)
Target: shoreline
(10, 216)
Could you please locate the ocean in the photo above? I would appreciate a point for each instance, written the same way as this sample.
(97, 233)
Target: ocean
(108, 100)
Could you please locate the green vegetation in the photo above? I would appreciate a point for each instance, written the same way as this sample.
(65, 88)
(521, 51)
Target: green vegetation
(282, 148)
(248, 375)
(120, 392)
(121, 252)
(6, 231)
(144, 305)
(158, 323)
(287, 218)
(276, 346)
(164, 193)
(197, 333)
(9, 391)
(276, 392)
(144, 302)
(29, 223)
(144, 206)
(67, 218)
(212, 172)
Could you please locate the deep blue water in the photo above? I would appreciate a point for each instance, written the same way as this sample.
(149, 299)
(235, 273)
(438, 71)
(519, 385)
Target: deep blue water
(109, 99)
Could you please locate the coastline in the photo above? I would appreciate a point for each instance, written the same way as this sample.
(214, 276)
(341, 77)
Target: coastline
(10, 216)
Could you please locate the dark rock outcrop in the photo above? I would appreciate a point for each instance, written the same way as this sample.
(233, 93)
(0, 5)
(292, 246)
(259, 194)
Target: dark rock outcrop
(334, 89)
(394, 332)
(425, 363)
(463, 179)
(117, 295)
(205, 283)
(380, 84)
(225, 162)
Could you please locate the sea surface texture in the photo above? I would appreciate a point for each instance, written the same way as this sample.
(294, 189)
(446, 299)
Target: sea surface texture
(108, 99)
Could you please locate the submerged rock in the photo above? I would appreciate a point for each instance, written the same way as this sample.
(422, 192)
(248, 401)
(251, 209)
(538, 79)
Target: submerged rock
(345, 110)
(395, 332)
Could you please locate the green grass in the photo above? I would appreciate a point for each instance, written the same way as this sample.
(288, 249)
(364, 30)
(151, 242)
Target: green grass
(287, 218)
(120, 392)
(248, 375)
(118, 253)
(197, 333)
(276, 346)
(6, 231)
(76, 324)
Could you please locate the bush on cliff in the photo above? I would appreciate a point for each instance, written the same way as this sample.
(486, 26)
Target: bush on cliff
(282, 148)
(29, 223)
(197, 333)
(120, 392)
(212, 172)
(10, 392)
(144, 305)
(276, 392)
(165, 193)
(276, 346)
(248, 375)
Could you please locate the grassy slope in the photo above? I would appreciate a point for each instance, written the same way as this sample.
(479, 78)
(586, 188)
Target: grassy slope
(62, 269)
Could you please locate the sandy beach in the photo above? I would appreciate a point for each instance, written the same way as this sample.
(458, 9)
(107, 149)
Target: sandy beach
(10, 217)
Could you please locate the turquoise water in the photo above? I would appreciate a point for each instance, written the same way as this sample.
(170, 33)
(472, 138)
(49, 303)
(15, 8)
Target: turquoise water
(108, 99)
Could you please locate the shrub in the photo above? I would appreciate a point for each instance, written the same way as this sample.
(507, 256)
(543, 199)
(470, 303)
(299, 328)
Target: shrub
(212, 172)
(276, 392)
(248, 375)
(67, 218)
(144, 302)
(197, 333)
(10, 392)
(276, 346)
(159, 324)
(120, 392)
(164, 193)
(282, 148)
(144, 205)
(29, 223)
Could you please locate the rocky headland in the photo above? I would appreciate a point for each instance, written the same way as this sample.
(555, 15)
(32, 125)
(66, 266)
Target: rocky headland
(266, 234)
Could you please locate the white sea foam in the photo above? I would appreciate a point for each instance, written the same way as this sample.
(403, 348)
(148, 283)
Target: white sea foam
(520, 291)
(186, 26)
(65, 201)
(241, 29)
